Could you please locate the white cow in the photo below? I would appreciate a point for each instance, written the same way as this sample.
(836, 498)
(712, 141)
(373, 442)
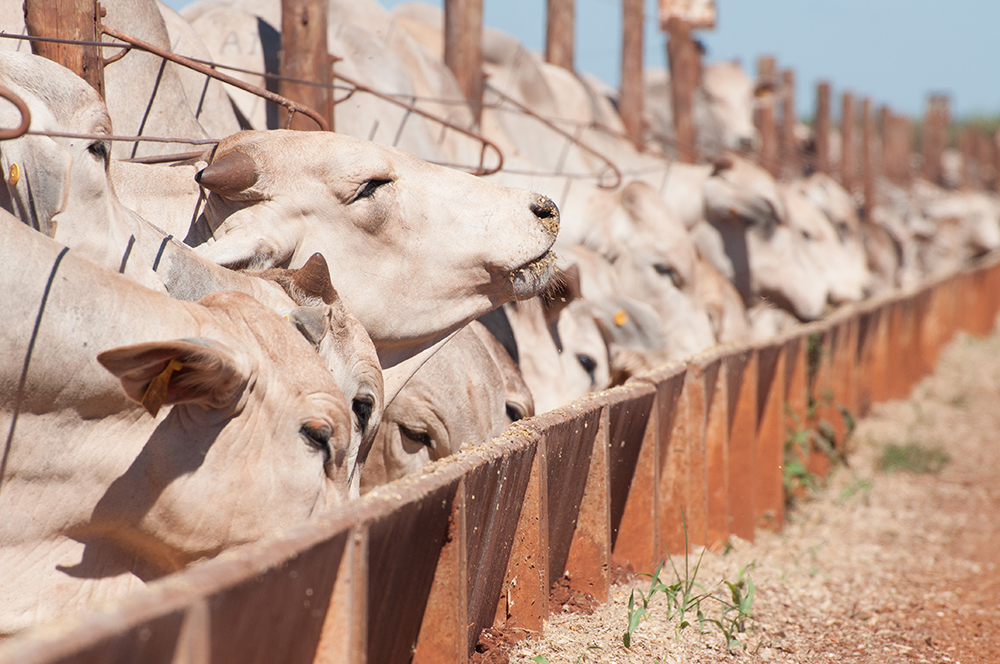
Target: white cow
(246, 433)
(467, 393)
(723, 109)
(415, 250)
(63, 189)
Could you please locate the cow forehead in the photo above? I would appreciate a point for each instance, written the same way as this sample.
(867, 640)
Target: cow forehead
(287, 151)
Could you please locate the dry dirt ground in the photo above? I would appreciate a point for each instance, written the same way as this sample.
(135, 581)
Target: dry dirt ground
(875, 567)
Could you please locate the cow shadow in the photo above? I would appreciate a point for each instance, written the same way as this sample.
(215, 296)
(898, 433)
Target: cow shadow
(112, 543)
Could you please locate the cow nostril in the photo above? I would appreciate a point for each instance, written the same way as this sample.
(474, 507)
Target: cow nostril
(544, 208)
(746, 144)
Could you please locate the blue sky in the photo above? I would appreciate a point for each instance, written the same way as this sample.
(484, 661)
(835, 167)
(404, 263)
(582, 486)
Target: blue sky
(896, 51)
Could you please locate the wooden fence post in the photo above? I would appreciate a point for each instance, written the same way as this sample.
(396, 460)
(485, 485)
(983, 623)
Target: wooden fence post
(305, 56)
(967, 150)
(463, 49)
(685, 77)
(68, 19)
(867, 156)
(559, 26)
(984, 158)
(821, 130)
(848, 155)
(630, 98)
(934, 136)
(789, 148)
(764, 115)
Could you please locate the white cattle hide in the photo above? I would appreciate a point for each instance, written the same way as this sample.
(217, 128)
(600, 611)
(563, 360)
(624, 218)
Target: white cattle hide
(415, 250)
(97, 495)
(64, 190)
(460, 396)
(723, 109)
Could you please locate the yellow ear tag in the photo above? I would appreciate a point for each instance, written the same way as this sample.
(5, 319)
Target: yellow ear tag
(621, 317)
(15, 174)
(157, 390)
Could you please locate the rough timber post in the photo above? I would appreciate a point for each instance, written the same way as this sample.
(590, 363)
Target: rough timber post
(822, 129)
(935, 130)
(463, 48)
(685, 77)
(789, 149)
(848, 156)
(68, 19)
(630, 97)
(305, 56)
(559, 26)
(867, 156)
(764, 115)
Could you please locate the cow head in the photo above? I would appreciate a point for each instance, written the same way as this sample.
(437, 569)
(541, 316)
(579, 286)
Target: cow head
(258, 436)
(415, 250)
(456, 397)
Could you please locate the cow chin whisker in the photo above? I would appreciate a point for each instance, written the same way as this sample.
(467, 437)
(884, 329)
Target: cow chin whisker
(533, 278)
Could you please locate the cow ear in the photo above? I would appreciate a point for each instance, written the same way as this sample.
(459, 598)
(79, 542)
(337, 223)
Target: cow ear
(312, 322)
(313, 279)
(231, 176)
(161, 373)
(565, 289)
(630, 324)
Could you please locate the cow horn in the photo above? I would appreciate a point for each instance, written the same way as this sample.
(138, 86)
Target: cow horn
(229, 175)
(721, 164)
(313, 279)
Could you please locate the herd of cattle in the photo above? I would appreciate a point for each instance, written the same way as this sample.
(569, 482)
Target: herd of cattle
(236, 342)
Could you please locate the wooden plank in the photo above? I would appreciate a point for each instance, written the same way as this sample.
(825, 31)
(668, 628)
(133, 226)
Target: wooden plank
(305, 56)
(559, 33)
(630, 97)
(68, 19)
(463, 49)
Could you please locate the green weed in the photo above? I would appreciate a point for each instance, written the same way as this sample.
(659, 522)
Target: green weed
(913, 458)
(684, 597)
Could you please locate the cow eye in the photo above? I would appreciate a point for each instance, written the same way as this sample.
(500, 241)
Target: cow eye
(318, 437)
(363, 410)
(665, 270)
(419, 437)
(99, 149)
(589, 365)
(368, 189)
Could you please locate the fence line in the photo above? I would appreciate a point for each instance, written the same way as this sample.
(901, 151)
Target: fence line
(420, 566)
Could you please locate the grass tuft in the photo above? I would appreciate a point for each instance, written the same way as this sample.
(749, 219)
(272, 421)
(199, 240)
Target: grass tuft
(913, 458)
